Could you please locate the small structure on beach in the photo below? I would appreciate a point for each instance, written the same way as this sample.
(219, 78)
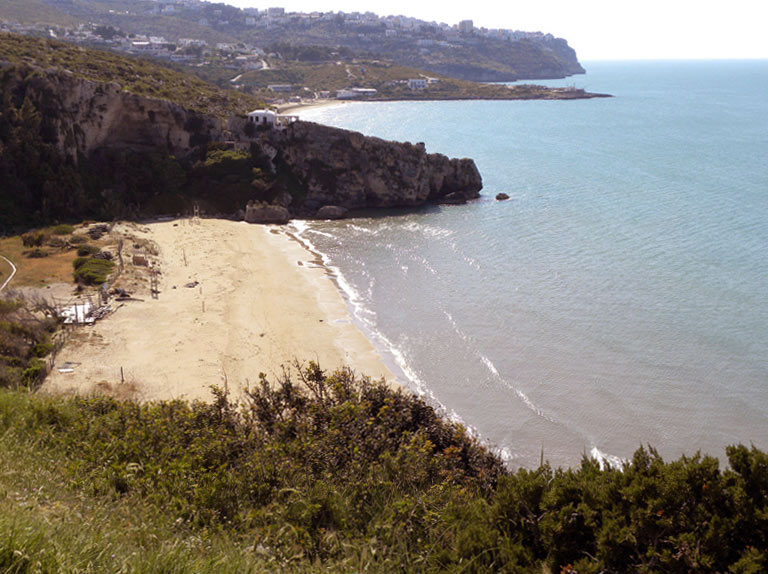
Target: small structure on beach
(270, 119)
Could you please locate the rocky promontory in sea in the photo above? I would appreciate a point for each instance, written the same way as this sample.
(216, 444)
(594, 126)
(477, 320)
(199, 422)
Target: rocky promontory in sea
(113, 153)
(336, 167)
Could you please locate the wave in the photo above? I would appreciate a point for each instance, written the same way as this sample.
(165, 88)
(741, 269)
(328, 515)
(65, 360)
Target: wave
(607, 460)
(495, 372)
(366, 319)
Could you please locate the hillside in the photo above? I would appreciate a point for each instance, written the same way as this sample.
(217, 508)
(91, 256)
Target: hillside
(467, 53)
(136, 75)
(328, 473)
(92, 134)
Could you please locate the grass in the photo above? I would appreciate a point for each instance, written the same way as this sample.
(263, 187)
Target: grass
(56, 267)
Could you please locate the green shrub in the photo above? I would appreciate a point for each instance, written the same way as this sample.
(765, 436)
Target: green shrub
(89, 271)
(78, 239)
(57, 242)
(87, 250)
(62, 229)
(34, 239)
(34, 373)
(36, 253)
(79, 262)
(42, 349)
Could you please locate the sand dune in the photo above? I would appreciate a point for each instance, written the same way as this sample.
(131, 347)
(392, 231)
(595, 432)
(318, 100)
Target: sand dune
(260, 302)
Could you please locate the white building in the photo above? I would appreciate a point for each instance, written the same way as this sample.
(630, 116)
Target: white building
(270, 119)
(349, 93)
(466, 26)
(417, 84)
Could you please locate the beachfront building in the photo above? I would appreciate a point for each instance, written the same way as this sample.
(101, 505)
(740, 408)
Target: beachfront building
(417, 84)
(270, 119)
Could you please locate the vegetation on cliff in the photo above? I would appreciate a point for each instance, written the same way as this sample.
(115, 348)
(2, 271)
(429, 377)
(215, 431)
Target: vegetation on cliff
(136, 75)
(341, 474)
(26, 332)
(41, 185)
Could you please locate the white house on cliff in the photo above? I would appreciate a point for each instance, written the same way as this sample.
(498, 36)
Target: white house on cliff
(270, 119)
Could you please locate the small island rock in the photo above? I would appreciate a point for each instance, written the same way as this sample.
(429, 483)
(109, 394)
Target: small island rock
(501, 196)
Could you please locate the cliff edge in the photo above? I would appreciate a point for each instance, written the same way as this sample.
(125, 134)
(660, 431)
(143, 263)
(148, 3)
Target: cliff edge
(347, 169)
(112, 153)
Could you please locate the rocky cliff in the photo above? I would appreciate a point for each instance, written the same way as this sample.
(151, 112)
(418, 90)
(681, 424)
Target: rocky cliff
(344, 168)
(123, 154)
(83, 116)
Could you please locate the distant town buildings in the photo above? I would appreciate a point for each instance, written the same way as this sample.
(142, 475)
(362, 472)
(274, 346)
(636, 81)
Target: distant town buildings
(466, 26)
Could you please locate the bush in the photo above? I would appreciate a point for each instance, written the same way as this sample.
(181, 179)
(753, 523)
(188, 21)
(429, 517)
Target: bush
(79, 262)
(34, 239)
(78, 239)
(36, 254)
(34, 373)
(57, 242)
(90, 271)
(63, 229)
(86, 250)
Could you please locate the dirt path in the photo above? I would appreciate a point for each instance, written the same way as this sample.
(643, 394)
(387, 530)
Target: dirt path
(13, 272)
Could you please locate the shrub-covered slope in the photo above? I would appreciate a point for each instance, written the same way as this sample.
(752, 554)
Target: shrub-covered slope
(343, 475)
(136, 75)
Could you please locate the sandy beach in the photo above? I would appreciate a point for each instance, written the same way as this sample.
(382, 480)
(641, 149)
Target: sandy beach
(235, 300)
(298, 108)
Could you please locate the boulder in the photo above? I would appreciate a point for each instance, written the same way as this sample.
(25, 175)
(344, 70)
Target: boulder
(501, 196)
(267, 214)
(455, 198)
(331, 212)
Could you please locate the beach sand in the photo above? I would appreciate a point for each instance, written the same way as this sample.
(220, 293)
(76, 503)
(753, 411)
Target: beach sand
(260, 302)
(298, 108)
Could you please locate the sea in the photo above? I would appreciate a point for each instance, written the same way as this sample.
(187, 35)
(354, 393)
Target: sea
(618, 299)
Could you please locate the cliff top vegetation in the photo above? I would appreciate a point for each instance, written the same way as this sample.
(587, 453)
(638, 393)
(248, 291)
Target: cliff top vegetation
(330, 472)
(136, 75)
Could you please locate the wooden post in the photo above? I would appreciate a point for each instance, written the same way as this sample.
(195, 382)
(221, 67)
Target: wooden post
(122, 377)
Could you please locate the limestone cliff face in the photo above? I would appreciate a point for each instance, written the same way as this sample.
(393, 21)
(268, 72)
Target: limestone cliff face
(312, 166)
(87, 116)
(347, 169)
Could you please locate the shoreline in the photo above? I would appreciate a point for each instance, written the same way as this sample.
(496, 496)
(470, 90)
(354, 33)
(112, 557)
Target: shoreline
(554, 94)
(258, 300)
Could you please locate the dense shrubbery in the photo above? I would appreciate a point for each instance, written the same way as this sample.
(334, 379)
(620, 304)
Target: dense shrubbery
(25, 335)
(92, 270)
(342, 474)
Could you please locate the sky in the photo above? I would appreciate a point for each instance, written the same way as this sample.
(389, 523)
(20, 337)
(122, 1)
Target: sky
(596, 29)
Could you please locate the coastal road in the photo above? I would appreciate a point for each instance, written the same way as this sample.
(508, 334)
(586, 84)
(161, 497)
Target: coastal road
(13, 272)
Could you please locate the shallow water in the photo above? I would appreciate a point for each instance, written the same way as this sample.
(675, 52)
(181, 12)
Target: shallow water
(619, 298)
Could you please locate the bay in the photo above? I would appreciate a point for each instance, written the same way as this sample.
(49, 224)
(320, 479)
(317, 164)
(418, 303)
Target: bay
(617, 299)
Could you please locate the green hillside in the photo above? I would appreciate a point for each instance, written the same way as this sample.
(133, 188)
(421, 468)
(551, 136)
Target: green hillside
(139, 76)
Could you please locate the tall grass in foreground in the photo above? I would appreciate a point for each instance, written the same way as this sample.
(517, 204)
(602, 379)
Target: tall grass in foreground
(340, 474)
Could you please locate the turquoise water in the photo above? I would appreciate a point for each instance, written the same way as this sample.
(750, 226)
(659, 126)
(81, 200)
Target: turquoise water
(619, 298)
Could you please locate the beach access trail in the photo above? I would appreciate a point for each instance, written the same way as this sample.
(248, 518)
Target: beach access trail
(235, 300)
